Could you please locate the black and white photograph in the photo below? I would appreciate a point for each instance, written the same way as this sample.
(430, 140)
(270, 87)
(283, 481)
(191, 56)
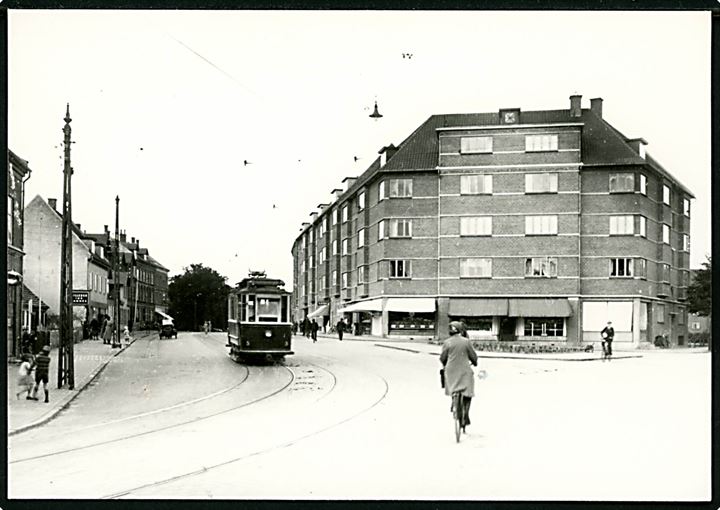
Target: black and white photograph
(359, 255)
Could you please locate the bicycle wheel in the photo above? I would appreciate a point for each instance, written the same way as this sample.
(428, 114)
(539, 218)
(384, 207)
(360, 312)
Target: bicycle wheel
(457, 405)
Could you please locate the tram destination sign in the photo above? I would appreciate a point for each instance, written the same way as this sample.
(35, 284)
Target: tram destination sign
(80, 297)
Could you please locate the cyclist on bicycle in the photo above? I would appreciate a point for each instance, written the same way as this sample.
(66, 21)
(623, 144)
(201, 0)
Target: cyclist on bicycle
(456, 357)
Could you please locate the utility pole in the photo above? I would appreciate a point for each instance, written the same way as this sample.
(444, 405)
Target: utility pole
(66, 361)
(116, 279)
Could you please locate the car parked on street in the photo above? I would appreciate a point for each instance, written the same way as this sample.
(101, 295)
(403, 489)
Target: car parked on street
(167, 330)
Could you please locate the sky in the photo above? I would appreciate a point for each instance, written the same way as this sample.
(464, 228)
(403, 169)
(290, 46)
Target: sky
(167, 106)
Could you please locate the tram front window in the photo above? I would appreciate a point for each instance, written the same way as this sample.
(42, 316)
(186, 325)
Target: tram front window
(268, 309)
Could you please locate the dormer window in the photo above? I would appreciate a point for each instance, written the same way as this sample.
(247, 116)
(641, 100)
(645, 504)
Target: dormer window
(641, 150)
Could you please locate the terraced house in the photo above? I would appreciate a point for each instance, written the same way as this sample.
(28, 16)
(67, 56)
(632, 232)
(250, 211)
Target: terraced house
(531, 226)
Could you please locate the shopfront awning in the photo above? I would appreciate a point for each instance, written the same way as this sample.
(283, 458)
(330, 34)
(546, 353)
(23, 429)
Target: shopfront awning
(417, 305)
(323, 310)
(540, 307)
(163, 314)
(478, 307)
(371, 305)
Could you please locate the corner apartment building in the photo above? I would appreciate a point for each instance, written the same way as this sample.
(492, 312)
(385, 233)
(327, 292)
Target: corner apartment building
(531, 226)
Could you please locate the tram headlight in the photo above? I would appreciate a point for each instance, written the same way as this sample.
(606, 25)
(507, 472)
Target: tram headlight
(268, 333)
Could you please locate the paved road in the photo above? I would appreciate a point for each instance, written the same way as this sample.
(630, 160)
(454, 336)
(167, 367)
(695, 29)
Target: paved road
(178, 419)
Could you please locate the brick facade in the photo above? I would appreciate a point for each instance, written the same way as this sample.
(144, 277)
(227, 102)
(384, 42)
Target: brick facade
(573, 216)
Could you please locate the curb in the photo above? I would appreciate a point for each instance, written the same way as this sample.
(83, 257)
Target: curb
(72, 396)
(401, 348)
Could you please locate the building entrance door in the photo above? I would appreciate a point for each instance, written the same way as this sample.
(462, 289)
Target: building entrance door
(507, 329)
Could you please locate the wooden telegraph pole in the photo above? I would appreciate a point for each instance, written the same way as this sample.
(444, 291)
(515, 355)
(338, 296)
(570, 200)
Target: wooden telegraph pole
(66, 365)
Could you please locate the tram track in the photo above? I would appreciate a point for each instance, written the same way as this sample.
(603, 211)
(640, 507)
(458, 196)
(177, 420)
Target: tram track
(205, 469)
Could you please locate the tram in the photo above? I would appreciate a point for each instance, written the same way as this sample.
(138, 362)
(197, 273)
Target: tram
(259, 325)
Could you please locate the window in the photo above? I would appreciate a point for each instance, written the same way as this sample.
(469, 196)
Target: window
(304, 290)
(622, 183)
(665, 273)
(640, 268)
(327, 223)
(476, 226)
(321, 229)
(361, 201)
(666, 194)
(686, 207)
(334, 277)
(345, 280)
(475, 144)
(666, 234)
(312, 261)
(345, 247)
(345, 214)
(475, 184)
(399, 188)
(686, 242)
(622, 225)
(541, 225)
(335, 217)
(642, 225)
(660, 313)
(311, 233)
(681, 316)
(475, 268)
(10, 209)
(544, 326)
(400, 228)
(361, 237)
(362, 274)
(335, 247)
(381, 191)
(541, 183)
(399, 269)
(536, 143)
(541, 267)
(302, 266)
(643, 184)
(322, 255)
(621, 268)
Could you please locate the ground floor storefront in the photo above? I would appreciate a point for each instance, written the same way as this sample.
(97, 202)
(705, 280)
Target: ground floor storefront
(519, 320)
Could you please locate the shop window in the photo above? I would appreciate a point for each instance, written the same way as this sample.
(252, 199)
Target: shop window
(415, 322)
(544, 326)
(476, 324)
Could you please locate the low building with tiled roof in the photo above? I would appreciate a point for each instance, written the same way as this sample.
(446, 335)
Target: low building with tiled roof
(531, 226)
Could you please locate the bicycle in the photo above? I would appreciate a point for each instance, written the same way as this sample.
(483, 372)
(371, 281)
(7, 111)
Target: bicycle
(458, 412)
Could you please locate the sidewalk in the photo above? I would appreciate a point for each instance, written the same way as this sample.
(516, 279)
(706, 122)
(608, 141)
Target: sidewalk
(421, 345)
(90, 357)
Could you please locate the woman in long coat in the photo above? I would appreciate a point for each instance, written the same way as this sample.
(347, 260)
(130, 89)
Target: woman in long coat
(456, 357)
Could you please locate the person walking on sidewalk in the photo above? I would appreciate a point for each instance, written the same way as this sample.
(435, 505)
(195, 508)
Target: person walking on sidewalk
(340, 327)
(42, 373)
(126, 334)
(314, 329)
(608, 334)
(25, 380)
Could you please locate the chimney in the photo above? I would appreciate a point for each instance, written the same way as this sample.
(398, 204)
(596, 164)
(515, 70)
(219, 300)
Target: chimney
(575, 110)
(337, 192)
(53, 203)
(596, 106)
(122, 236)
(350, 181)
(107, 231)
(137, 241)
(386, 153)
(313, 216)
(79, 226)
(322, 207)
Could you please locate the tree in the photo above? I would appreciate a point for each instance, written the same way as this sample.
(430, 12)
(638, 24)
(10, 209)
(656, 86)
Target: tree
(198, 295)
(699, 293)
